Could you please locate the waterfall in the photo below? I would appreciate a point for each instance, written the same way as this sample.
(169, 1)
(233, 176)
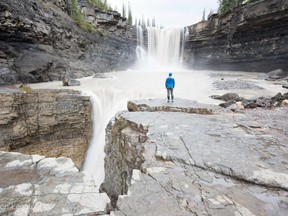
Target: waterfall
(163, 48)
(105, 103)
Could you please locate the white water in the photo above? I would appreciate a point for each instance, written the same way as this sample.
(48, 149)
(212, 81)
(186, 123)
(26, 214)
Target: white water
(163, 48)
(162, 54)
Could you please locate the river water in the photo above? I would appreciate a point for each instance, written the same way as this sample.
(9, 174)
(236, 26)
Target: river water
(110, 95)
(159, 52)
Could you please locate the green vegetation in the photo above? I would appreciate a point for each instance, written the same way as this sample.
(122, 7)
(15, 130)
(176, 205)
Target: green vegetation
(80, 19)
(100, 4)
(225, 6)
(129, 14)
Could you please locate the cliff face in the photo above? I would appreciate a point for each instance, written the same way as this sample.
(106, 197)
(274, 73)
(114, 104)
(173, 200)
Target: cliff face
(39, 41)
(218, 164)
(51, 123)
(253, 37)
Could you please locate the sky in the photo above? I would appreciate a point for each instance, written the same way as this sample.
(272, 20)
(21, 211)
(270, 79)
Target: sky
(168, 13)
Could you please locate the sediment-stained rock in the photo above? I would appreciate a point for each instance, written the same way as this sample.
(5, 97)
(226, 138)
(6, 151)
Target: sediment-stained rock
(53, 123)
(217, 164)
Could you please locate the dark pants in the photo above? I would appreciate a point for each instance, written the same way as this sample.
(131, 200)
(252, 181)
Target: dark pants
(170, 94)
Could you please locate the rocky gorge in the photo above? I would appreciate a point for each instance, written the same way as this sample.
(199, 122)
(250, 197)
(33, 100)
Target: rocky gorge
(40, 41)
(186, 158)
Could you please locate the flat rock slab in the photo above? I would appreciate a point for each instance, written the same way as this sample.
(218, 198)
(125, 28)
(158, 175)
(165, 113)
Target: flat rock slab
(224, 164)
(179, 105)
(36, 185)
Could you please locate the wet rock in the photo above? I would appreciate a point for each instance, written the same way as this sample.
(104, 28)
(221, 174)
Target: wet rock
(227, 104)
(285, 86)
(226, 97)
(277, 74)
(73, 82)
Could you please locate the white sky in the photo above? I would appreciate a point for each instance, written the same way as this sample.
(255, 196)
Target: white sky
(169, 13)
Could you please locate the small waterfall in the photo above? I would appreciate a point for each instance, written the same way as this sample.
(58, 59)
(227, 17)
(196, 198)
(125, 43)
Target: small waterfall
(164, 47)
(140, 52)
(105, 103)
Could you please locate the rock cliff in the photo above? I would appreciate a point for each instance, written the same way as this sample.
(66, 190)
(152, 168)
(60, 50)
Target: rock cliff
(175, 163)
(53, 123)
(253, 37)
(39, 41)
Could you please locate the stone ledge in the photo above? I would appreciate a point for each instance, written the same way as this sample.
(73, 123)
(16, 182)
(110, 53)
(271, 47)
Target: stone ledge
(222, 164)
(179, 105)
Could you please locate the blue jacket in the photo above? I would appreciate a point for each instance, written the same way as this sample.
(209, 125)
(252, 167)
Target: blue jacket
(170, 82)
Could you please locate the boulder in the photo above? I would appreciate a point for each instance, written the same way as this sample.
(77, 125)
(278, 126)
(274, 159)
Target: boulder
(226, 97)
(73, 82)
(284, 103)
(277, 74)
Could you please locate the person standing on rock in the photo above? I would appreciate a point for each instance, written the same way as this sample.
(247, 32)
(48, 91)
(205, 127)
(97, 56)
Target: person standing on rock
(170, 84)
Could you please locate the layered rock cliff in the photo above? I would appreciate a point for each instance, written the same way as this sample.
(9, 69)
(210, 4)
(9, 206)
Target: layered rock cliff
(163, 162)
(53, 123)
(253, 37)
(39, 41)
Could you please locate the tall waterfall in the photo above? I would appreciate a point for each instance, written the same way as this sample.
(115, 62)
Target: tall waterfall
(160, 48)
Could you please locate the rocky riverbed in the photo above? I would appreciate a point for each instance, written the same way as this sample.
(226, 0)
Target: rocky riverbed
(184, 158)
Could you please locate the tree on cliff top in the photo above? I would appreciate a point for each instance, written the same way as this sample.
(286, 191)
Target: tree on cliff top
(226, 6)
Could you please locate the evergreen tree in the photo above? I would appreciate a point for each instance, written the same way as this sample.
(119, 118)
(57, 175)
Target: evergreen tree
(105, 5)
(129, 14)
(227, 5)
(204, 16)
(124, 10)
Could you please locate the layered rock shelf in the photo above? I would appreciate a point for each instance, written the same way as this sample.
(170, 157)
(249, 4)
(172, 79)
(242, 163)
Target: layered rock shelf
(175, 163)
(40, 41)
(163, 159)
(54, 123)
(252, 37)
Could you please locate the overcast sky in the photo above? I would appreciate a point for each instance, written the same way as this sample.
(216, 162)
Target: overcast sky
(169, 13)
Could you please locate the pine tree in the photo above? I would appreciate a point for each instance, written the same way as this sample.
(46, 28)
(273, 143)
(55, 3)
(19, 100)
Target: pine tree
(204, 16)
(124, 10)
(129, 14)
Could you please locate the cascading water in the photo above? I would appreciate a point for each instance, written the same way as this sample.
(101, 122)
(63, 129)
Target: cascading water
(162, 49)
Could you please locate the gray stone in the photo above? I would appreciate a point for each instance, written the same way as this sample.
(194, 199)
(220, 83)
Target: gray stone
(197, 164)
(35, 185)
(73, 82)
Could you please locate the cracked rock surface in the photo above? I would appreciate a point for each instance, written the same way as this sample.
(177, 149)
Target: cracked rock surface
(36, 185)
(217, 164)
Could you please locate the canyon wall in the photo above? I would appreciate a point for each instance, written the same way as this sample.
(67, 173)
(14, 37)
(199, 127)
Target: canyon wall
(40, 41)
(53, 123)
(253, 37)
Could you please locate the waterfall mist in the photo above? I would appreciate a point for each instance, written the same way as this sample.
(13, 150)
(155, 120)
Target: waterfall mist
(160, 49)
